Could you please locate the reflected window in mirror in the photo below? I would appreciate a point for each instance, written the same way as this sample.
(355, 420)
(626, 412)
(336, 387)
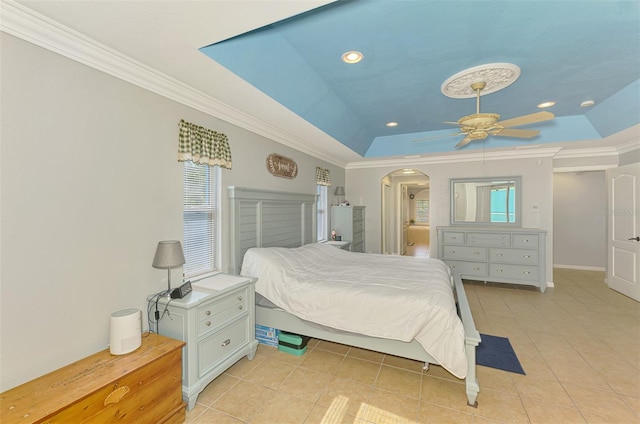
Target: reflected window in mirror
(486, 201)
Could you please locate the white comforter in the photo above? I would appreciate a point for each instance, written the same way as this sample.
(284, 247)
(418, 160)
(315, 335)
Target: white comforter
(393, 297)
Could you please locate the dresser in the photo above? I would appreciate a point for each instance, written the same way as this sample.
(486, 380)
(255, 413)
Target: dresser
(515, 256)
(140, 387)
(348, 222)
(217, 322)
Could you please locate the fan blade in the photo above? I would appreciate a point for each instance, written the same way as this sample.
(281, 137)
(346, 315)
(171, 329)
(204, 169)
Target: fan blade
(517, 133)
(526, 119)
(435, 137)
(464, 142)
(452, 123)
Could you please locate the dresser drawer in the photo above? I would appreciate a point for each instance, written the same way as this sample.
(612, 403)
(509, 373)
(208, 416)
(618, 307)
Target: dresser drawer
(218, 346)
(358, 226)
(514, 256)
(453, 238)
(358, 214)
(478, 269)
(489, 239)
(526, 240)
(222, 310)
(518, 272)
(465, 253)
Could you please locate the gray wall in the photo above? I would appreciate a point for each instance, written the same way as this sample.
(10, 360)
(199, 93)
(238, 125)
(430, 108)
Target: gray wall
(90, 183)
(579, 220)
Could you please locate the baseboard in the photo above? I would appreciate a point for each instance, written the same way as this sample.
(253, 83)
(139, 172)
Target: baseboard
(580, 267)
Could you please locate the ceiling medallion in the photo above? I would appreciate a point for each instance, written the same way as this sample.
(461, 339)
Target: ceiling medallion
(496, 76)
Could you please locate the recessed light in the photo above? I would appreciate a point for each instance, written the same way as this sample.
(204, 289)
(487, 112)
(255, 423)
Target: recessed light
(408, 171)
(391, 124)
(352, 57)
(587, 103)
(546, 104)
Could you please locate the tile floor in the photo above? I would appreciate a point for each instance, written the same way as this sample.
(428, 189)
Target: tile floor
(578, 342)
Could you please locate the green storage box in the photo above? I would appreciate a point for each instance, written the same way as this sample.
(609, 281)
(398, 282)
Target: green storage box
(294, 344)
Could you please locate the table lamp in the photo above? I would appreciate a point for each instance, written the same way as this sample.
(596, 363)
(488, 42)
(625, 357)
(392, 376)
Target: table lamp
(168, 255)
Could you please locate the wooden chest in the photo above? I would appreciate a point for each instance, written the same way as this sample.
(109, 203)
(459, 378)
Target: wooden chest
(143, 386)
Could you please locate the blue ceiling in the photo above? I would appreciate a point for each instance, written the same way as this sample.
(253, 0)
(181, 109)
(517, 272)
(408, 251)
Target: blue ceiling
(568, 52)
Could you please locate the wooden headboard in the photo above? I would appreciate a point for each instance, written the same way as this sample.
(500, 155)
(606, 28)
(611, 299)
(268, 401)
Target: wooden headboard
(266, 218)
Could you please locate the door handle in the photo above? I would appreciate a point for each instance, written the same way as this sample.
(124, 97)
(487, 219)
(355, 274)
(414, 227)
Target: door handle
(637, 238)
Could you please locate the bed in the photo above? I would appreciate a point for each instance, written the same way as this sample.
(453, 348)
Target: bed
(272, 238)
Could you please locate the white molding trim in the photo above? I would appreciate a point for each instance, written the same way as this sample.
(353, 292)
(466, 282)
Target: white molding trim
(28, 25)
(580, 267)
(456, 158)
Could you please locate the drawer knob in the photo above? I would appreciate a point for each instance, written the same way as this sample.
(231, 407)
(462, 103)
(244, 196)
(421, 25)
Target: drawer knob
(476, 269)
(226, 343)
(207, 313)
(452, 251)
(208, 323)
(239, 297)
(498, 270)
(498, 254)
(526, 256)
(525, 241)
(240, 307)
(476, 253)
(527, 272)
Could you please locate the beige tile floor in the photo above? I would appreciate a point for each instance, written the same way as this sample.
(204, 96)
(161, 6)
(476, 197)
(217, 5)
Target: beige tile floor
(578, 342)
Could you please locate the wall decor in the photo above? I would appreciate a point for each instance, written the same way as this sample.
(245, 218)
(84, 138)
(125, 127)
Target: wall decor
(281, 166)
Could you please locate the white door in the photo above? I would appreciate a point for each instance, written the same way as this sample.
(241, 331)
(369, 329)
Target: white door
(623, 258)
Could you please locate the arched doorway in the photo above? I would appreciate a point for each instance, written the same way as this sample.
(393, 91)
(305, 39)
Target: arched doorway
(405, 213)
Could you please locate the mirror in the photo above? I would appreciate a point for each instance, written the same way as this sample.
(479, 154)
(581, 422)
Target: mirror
(486, 201)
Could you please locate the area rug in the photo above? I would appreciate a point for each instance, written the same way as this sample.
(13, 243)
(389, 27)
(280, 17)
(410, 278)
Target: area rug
(497, 352)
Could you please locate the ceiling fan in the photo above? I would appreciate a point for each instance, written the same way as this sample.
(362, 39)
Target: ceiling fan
(481, 125)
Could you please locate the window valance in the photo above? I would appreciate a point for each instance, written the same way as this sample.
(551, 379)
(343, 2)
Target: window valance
(323, 176)
(203, 146)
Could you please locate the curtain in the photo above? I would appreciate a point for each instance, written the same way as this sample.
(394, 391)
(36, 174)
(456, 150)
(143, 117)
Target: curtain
(323, 176)
(483, 203)
(203, 146)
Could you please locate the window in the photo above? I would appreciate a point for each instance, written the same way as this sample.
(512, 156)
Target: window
(200, 215)
(503, 204)
(422, 211)
(323, 212)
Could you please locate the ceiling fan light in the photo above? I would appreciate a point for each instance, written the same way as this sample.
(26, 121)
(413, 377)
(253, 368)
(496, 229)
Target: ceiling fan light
(391, 124)
(587, 103)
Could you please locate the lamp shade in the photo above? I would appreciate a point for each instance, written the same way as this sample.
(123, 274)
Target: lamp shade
(339, 191)
(168, 255)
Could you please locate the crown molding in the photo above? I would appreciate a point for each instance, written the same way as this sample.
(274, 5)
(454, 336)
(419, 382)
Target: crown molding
(456, 158)
(35, 28)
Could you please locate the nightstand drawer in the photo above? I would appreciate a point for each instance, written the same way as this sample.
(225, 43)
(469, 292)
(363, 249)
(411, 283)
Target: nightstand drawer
(514, 256)
(465, 253)
(217, 347)
(221, 310)
(358, 214)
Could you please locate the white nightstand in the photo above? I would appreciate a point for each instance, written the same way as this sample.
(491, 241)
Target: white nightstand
(217, 321)
(344, 245)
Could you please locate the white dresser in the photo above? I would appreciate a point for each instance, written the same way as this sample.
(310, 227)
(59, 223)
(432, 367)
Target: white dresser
(348, 222)
(217, 321)
(513, 255)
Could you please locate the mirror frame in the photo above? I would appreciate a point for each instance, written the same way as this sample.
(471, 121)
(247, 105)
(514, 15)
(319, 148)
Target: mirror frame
(518, 201)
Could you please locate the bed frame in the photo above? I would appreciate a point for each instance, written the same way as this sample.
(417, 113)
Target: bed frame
(265, 218)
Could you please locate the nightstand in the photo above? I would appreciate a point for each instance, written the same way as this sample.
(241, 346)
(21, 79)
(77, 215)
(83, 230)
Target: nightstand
(217, 321)
(344, 245)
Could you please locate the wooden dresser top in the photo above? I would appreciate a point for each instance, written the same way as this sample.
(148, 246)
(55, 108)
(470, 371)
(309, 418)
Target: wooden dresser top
(43, 396)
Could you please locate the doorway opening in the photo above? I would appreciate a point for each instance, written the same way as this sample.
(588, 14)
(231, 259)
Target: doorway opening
(406, 210)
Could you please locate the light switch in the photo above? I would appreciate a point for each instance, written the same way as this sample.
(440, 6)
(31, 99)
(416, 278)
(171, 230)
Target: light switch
(535, 208)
